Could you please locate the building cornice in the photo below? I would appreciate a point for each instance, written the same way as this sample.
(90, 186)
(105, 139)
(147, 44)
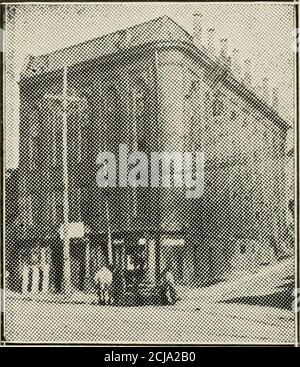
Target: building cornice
(225, 76)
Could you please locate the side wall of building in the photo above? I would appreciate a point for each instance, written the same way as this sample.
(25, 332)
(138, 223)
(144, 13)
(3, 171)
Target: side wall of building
(164, 102)
(239, 223)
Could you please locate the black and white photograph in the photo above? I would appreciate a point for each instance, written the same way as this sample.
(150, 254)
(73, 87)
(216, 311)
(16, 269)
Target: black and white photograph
(150, 173)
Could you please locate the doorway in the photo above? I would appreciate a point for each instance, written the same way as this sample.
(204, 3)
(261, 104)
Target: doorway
(78, 263)
(172, 256)
(135, 259)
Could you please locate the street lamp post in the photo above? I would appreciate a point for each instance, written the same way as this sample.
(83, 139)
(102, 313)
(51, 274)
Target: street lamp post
(64, 98)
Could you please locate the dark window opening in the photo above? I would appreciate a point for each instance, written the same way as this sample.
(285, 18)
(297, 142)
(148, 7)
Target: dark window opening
(242, 248)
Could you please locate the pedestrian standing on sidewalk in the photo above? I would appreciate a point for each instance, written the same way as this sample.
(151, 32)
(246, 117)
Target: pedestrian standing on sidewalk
(168, 292)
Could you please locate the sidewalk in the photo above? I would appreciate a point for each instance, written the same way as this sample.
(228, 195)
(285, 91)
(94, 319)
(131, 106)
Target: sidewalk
(267, 280)
(76, 297)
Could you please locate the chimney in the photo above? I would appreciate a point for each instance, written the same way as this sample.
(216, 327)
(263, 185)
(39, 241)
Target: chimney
(211, 41)
(197, 29)
(275, 99)
(235, 62)
(265, 87)
(247, 73)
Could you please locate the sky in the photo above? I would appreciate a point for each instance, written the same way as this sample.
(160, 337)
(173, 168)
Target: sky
(262, 32)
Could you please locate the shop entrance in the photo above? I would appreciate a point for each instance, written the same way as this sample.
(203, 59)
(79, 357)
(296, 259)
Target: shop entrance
(172, 257)
(135, 261)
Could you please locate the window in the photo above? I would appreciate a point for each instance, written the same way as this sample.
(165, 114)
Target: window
(22, 210)
(233, 115)
(53, 207)
(243, 248)
(77, 204)
(112, 101)
(55, 115)
(29, 210)
(33, 145)
(49, 207)
(79, 141)
(138, 130)
(207, 99)
(76, 116)
(57, 207)
(139, 93)
(135, 202)
(25, 208)
(54, 138)
(113, 118)
(34, 121)
(218, 107)
(30, 153)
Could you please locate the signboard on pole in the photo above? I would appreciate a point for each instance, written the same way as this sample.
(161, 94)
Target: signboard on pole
(71, 230)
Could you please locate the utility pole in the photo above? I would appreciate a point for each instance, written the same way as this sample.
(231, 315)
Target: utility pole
(66, 238)
(65, 235)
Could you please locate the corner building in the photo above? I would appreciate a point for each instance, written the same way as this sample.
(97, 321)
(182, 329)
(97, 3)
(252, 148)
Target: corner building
(150, 87)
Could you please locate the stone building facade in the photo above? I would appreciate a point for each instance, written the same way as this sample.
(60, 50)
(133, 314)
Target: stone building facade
(151, 87)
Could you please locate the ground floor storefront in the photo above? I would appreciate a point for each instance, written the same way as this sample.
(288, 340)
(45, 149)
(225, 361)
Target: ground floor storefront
(38, 266)
(219, 313)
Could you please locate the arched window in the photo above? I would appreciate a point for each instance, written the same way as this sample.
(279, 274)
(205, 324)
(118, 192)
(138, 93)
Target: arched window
(139, 105)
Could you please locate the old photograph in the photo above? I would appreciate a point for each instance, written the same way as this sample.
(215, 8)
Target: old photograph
(149, 173)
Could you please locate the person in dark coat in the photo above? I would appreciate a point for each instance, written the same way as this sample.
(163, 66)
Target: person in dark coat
(167, 289)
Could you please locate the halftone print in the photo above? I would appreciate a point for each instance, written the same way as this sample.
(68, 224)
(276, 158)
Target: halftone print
(149, 173)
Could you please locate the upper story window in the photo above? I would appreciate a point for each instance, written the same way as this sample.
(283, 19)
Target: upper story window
(139, 95)
(57, 207)
(112, 101)
(55, 115)
(218, 103)
(33, 143)
(233, 115)
(112, 117)
(29, 210)
(25, 209)
(79, 140)
(77, 114)
(217, 107)
(75, 204)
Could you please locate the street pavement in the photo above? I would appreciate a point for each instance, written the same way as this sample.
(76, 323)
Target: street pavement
(204, 315)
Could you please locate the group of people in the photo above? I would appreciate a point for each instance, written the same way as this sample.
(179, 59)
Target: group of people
(110, 287)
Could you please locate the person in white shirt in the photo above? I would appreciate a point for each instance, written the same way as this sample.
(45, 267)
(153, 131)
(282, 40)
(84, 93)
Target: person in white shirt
(103, 281)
